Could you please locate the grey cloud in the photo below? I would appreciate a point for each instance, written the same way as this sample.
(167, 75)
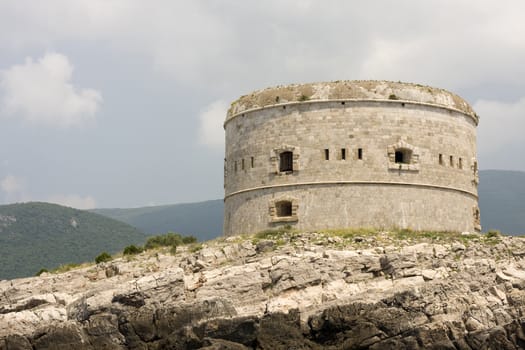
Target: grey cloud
(160, 64)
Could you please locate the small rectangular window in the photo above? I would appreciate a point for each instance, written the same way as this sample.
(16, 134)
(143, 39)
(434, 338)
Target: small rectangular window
(252, 162)
(286, 161)
(235, 166)
(283, 208)
(359, 153)
(326, 154)
(399, 157)
(343, 153)
(460, 163)
(242, 164)
(451, 161)
(440, 159)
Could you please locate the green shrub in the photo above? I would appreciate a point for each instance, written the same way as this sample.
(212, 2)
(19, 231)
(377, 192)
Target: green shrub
(132, 250)
(266, 234)
(189, 239)
(195, 248)
(273, 233)
(404, 234)
(351, 232)
(169, 239)
(493, 233)
(65, 268)
(103, 257)
(41, 271)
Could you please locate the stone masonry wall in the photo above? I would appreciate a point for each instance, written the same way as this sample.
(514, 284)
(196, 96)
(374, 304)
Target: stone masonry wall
(435, 190)
(364, 205)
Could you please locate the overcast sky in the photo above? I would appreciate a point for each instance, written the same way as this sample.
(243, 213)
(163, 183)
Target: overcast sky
(120, 103)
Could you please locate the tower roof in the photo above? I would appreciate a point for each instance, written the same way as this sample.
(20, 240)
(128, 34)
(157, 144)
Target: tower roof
(350, 90)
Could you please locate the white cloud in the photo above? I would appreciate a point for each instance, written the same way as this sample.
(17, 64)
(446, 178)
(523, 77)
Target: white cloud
(11, 185)
(74, 201)
(211, 131)
(13, 188)
(41, 92)
(500, 132)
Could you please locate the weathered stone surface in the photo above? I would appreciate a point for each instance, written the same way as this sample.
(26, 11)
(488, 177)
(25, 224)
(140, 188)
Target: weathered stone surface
(300, 295)
(327, 153)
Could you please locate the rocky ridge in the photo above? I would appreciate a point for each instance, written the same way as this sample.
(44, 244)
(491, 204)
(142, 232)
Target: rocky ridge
(282, 290)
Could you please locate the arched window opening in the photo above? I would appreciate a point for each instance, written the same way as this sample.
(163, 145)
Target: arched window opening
(402, 156)
(283, 209)
(286, 161)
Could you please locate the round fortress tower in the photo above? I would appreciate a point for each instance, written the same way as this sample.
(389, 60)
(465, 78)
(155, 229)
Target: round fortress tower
(351, 154)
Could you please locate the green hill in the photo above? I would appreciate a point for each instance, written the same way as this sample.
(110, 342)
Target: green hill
(43, 235)
(502, 200)
(202, 219)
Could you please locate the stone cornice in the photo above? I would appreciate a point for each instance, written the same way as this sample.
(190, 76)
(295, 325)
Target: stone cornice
(382, 183)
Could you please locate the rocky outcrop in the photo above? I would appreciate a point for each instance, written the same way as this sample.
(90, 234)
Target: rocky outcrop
(288, 291)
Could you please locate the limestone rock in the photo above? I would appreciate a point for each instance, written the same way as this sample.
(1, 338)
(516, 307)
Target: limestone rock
(305, 294)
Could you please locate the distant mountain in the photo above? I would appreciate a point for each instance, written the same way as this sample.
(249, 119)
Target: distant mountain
(502, 200)
(202, 219)
(43, 235)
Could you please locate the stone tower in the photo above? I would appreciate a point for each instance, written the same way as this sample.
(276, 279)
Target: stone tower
(351, 154)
